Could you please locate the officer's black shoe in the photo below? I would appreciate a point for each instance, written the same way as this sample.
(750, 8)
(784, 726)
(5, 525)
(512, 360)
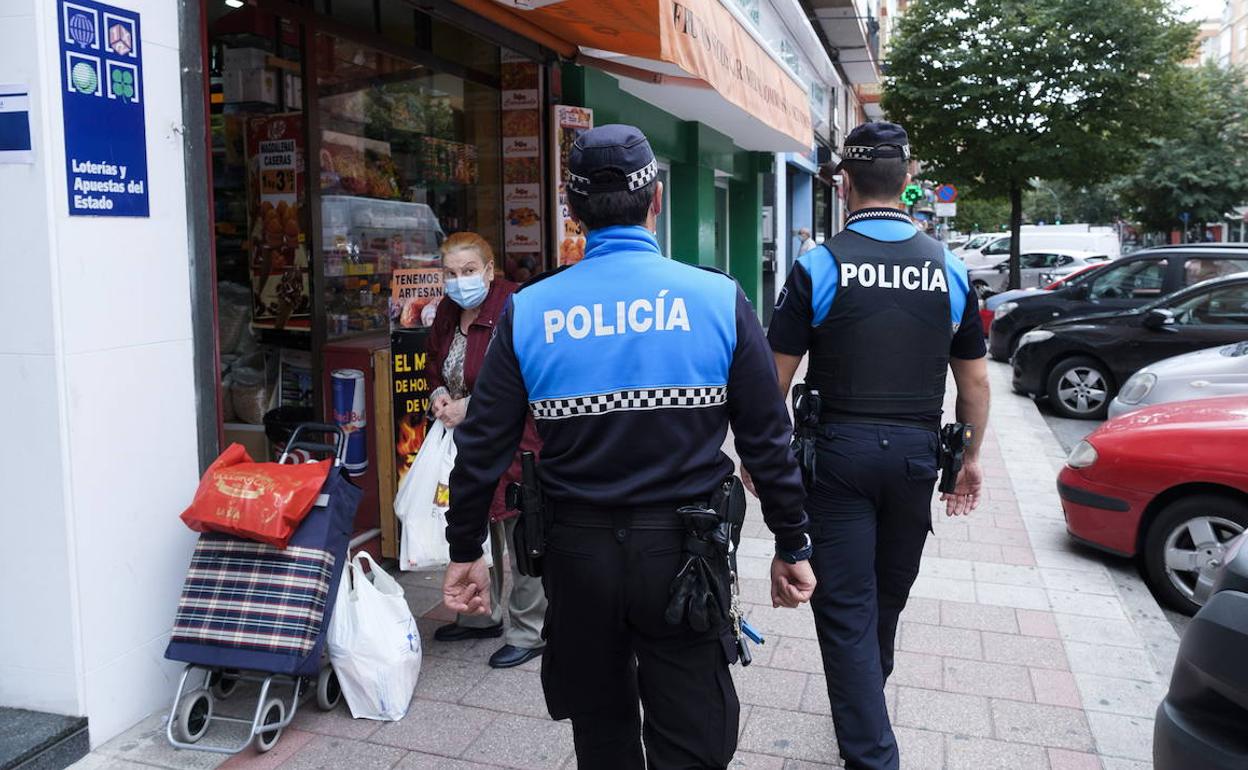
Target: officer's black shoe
(453, 632)
(509, 656)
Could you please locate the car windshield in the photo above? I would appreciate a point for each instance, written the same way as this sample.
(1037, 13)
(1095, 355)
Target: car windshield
(1225, 305)
(1194, 296)
(977, 242)
(1139, 279)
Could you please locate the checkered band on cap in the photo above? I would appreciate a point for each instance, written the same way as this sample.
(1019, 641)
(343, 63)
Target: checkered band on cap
(865, 152)
(643, 176)
(647, 399)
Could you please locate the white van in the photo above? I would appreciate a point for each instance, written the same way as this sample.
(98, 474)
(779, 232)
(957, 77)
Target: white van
(1102, 240)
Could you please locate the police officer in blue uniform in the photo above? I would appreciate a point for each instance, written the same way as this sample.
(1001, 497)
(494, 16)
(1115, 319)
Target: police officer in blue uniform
(884, 312)
(633, 366)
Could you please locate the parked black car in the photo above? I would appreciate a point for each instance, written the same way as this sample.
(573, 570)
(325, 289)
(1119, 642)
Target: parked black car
(1080, 363)
(1129, 282)
(1201, 722)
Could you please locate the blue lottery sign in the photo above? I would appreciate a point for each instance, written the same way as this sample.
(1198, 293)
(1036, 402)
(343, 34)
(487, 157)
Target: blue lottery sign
(102, 97)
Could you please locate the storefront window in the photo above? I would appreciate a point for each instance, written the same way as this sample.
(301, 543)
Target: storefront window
(408, 155)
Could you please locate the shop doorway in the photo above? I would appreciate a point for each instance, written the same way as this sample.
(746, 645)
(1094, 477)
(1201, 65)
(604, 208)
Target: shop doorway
(721, 225)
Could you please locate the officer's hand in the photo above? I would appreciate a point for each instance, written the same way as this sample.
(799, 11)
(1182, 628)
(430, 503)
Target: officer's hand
(748, 481)
(791, 584)
(965, 495)
(466, 587)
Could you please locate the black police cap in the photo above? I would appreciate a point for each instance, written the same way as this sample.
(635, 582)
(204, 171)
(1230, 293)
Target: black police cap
(614, 147)
(878, 139)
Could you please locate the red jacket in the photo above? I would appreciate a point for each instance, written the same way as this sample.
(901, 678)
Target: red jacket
(479, 333)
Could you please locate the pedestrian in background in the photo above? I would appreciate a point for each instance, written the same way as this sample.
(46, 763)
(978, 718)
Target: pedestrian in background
(465, 321)
(634, 366)
(804, 242)
(884, 312)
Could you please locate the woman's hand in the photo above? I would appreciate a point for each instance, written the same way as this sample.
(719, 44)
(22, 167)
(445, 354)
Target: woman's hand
(440, 402)
(452, 414)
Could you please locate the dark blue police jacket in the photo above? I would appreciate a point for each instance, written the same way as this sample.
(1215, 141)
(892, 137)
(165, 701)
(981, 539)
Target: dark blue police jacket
(633, 366)
(880, 308)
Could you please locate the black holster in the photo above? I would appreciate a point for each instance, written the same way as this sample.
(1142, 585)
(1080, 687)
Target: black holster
(806, 408)
(525, 496)
(701, 592)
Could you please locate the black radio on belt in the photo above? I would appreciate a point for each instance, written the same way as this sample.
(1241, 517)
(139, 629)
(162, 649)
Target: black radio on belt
(806, 408)
(525, 496)
(954, 439)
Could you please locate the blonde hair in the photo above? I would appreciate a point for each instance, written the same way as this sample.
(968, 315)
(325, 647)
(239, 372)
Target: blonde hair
(466, 240)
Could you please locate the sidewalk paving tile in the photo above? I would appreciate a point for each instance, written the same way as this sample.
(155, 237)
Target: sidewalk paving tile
(1122, 736)
(1024, 650)
(1018, 597)
(956, 549)
(1064, 759)
(435, 728)
(920, 749)
(417, 761)
(326, 752)
(949, 589)
(1008, 574)
(997, 536)
(940, 640)
(1017, 556)
(1115, 632)
(523, 742)
(1056, 688)
(920, 609)
(1121, 662)
(447, 679)
(1080, 581)
(1088, 605)
(999, 680)
(918, 669)
(1118, 763)
(1063, 728)
(1037, 623)
(967, 753)
(793, 654)
(1129, 697)
(791, 735)
(762, 686)
(978, 617)
(287, 746)
(513, 690)
(943, 711)
(146, 743)
(746, 761)
(938, 567)
(337, 723)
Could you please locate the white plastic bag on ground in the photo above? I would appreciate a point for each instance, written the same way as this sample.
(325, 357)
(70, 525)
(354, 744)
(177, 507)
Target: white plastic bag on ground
(422, 501)
(373, 642)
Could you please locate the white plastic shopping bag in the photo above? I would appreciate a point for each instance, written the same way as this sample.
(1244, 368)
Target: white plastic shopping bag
(422, 501)
(373, 642)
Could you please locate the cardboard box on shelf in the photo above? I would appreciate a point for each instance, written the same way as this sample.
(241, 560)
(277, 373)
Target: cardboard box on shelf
(251, 437)
(250, 85)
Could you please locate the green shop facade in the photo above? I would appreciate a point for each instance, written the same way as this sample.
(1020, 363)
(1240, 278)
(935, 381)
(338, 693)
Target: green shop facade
(713, 188)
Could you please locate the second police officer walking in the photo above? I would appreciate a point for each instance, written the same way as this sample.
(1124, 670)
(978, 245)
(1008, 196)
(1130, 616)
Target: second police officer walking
(883, 312)
(634, 366)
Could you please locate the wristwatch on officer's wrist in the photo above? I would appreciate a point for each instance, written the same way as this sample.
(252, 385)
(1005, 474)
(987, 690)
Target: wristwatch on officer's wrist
(801, 554)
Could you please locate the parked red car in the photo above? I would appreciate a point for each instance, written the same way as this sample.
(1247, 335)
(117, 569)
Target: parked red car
(1167, 484)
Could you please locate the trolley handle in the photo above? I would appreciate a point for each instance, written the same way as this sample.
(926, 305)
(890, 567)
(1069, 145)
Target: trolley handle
(338, 447)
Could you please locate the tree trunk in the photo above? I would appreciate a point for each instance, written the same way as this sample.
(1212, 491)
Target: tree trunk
(1016, 226)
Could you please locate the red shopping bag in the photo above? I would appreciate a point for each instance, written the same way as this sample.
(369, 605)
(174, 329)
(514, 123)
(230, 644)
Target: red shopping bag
(257, 501)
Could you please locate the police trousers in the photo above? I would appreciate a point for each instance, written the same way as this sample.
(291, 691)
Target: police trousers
(607, 575)
(870, 513)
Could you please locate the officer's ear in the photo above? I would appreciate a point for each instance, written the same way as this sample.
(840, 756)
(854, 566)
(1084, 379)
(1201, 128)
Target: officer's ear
(656, 203)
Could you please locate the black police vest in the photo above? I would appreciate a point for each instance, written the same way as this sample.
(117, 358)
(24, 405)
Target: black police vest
(881, 353)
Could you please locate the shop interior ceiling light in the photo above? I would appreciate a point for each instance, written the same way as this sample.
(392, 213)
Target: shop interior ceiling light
(234, 3)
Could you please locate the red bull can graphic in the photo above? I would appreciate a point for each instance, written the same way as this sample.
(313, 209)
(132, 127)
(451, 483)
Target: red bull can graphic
(349, 412)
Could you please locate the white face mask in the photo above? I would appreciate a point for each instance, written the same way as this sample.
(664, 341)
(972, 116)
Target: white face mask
(468, 291)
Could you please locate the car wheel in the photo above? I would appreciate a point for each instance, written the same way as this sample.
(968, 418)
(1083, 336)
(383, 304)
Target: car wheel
(1080, 388)
(1185, 545)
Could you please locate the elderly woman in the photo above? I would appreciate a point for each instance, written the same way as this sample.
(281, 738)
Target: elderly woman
(461, 331)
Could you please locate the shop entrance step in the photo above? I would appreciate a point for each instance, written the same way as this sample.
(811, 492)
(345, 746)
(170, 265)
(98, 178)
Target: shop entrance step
(30, 740)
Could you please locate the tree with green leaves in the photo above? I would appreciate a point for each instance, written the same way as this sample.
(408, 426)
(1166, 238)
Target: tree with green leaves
(1200, 167)
(977, 213)
(1055, 201)
(996, 93)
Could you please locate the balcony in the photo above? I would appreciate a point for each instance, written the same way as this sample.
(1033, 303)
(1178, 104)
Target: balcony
(852, 34)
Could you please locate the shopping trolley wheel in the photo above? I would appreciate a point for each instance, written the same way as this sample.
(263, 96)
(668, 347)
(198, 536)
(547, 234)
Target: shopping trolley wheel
(222, 684)
(328, 691)
(274, 712)
(194, 714)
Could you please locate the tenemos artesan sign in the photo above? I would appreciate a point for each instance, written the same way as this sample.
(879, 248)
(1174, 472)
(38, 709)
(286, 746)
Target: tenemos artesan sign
(102, 93)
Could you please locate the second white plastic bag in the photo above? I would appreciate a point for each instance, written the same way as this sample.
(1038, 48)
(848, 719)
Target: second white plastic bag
(373, 642)
(422, 501)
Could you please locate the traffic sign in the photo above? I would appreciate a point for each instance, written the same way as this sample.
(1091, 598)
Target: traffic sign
(946, 193)
(946, 209)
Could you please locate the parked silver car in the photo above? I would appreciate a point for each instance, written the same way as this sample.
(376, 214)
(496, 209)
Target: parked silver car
(1038, 268)
(1220, 371)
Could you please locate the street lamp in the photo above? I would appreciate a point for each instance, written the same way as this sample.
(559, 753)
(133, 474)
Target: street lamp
(1056, 200)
